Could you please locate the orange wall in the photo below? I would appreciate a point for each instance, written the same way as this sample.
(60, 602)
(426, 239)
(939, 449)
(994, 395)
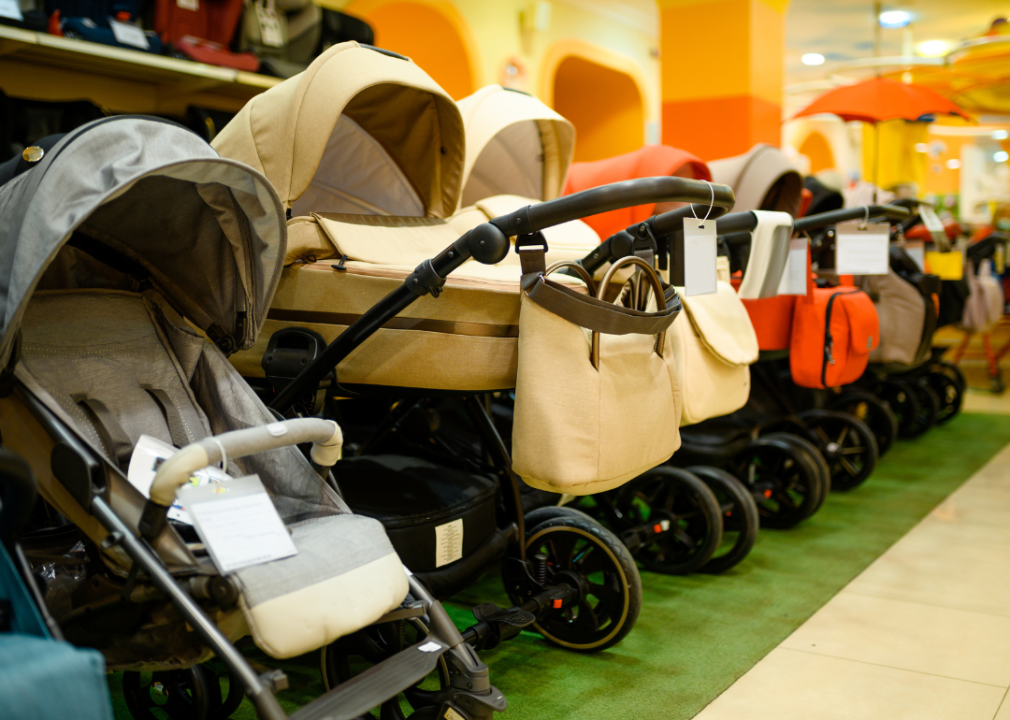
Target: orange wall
(604, 105)
(425, 35)
(816, 148)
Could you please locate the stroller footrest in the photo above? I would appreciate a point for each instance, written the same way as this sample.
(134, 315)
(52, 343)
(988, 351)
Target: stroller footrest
(516, 617)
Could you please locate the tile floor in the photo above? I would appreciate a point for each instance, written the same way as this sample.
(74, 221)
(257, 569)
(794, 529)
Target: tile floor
(922, 634)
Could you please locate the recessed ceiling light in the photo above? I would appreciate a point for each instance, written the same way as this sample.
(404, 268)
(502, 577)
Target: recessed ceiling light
(1001, 156)
(933, 48)
(954, 164)
(1000, 135)
(921, 147)
(895, 18)
(813, 59)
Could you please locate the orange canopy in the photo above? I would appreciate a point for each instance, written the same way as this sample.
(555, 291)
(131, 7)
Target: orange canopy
(881, 99)
(649, 161)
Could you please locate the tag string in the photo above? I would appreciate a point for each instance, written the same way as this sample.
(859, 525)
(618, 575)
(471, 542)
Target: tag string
(224, 455)
(711, 204)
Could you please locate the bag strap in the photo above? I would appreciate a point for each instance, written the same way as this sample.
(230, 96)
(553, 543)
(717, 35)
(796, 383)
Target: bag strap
(112, 434)
(650, 275)
(176, 425)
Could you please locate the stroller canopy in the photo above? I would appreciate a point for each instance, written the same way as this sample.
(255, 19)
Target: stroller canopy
(515, 145)
(648, 161)
(359, 132)
(824, 198)
(762, 178)
(154, 202)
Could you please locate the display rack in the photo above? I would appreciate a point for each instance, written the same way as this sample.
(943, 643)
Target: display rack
(38, 66)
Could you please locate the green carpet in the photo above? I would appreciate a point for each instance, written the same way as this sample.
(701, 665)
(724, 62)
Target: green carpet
(698, 634)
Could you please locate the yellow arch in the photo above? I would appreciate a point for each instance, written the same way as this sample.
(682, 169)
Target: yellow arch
(448, 12)
(816, 147)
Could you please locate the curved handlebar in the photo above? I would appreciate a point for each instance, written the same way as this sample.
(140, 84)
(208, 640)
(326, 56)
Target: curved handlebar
(673, 221)
(892, 213)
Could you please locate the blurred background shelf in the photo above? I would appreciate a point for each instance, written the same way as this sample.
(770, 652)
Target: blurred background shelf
(46, 67)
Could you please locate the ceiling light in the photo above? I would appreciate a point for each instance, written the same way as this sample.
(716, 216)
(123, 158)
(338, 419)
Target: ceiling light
(954, 164)
(933, 48)
(813, 59)
(921, 147)
(1000, 135)
(1001, 156)
(895, 19)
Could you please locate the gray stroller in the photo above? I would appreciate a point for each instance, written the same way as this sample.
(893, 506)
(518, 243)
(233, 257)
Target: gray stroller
(126, 247)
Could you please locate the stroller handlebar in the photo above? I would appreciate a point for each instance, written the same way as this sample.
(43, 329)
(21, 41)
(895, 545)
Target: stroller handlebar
(325, 435)
(892, 213)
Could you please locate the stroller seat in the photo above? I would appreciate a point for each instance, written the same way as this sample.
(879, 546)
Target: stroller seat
(119, 368)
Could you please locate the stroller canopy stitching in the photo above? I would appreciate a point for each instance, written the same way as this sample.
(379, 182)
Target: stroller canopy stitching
(208, 245)
(333, 138)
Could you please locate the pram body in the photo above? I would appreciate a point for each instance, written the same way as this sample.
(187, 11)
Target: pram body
(155, 236)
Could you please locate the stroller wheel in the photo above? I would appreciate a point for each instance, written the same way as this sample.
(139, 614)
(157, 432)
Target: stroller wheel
(952, 371)
(172, 694)
(351, 655)
(813, 454)
(226, 691)
(847, 445)
(580, 551)
(740, 521)
(877, 415)
(948, 392)
(783, 479)
(929, 406)
(671, 519)
(543, 514)
(904, 403)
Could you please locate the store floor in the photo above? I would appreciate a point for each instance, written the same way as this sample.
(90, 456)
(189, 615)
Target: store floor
(697, 635)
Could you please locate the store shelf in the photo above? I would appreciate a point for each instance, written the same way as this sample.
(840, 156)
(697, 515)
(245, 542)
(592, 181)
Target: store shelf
(45, 67)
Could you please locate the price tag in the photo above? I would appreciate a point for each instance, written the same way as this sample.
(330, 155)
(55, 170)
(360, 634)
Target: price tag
(193, 5)
(270, 28)
(917, 251)
(448, 542)
(11, 9)
(238, 523)
(148, 455)
(128, 34)
(794, 277)
(699, 257)
(862, 249)
(934, 225)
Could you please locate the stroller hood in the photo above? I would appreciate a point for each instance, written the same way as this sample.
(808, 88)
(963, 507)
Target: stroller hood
(762, 178)
(334, 139)
(649, 161)
(515, 145)
(213, 243)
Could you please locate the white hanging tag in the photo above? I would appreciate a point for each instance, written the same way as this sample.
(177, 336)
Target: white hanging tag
(699, 257)
(128, 34)
(861, 248)
(148, 455)
(933, 224)
(270, 27)
(10, 9)
(238, 523)
(916, 250)
(193, 5)
(448, 542)
(794, 277)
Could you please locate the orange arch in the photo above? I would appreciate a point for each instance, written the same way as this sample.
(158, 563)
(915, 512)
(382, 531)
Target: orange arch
(816, 147)
(604, 104)
(429, 32)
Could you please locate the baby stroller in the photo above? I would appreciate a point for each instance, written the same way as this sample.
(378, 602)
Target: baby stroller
(155, 235)
(375, 261)
(518, 146)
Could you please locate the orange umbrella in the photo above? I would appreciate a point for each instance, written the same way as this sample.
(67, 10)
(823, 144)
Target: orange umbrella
(881, 99)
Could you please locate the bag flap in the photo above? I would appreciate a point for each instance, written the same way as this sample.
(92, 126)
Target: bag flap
(864, 325)
(722, 324)
(385, 239)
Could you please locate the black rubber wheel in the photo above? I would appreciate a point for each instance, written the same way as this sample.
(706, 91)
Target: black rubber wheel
(680, 510)
(580, 551)
(952, 371)
(783, 479)
(226, 691)
(168, 694)
(814, 455)
(549, 512)
(904, 403)
(351, 655)
(929, 406)
(740, 520)
(948, 392)
(877, 415)
(847, 445)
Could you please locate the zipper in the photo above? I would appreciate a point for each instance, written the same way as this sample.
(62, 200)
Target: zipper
(829, 343)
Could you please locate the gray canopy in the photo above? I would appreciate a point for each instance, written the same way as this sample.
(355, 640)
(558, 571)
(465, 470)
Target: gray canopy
(208, 233)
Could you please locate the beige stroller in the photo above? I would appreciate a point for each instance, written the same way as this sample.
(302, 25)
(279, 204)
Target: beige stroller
(382, 278)
(128, 236)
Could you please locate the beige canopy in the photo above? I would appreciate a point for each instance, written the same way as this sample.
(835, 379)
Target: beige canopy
(359, 132)
(515, 145)
(763, 178)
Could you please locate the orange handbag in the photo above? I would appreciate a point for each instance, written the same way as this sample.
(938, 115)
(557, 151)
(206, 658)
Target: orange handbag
(834, 331)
